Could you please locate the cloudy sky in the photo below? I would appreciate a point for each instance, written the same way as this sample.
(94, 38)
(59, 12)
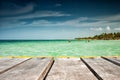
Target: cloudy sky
(58, 19)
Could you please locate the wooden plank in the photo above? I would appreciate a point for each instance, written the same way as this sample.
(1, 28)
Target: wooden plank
(2, 60)
(105, 69)
(117, 59)
(70, 69)
(33, 69)
(114, 60)
(8, 63)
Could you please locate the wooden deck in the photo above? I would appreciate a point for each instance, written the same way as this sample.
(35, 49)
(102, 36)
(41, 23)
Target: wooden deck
(99, 68)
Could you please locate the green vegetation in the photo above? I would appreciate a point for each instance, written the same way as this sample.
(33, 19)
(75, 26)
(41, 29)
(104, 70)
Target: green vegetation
(103, 36)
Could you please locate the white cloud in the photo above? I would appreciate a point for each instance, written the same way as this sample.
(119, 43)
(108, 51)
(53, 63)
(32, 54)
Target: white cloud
(84, 22)
(114, 17)
(18, 10)
(12, 24)
(96, 29)
(117, 29)
(38, 14)
(108, 18)
(57, 5)
(73, 22)
(108, 28)
(78, 22)
(81, 22)
(41, 23)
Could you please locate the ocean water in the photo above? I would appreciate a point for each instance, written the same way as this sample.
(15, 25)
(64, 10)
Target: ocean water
(60, 48)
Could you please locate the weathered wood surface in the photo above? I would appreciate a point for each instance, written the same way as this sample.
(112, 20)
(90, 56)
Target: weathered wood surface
(70, 69)
(8, 63)
(105, 69)
(4, 60)
(115, 60)
(33, 69)
(62, 69)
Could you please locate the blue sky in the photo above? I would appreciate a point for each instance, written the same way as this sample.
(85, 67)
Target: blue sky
(58, 19)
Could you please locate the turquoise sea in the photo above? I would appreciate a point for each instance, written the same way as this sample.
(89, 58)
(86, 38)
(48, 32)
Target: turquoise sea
(59, 48)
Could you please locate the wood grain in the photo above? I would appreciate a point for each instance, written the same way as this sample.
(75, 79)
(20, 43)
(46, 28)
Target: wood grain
(70, 69)
(114, 60)
(29, 70)
(105, 69)
(8, 63)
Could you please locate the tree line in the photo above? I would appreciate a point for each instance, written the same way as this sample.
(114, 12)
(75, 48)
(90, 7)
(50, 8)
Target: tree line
(103, 36)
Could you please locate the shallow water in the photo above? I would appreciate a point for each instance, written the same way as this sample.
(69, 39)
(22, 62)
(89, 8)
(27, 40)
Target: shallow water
(60, 48)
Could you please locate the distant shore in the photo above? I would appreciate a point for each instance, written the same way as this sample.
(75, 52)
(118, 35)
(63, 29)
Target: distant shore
(103, 36)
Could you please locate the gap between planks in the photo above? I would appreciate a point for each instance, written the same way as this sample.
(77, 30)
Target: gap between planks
(34, 69)
(47, 69)
(104, 69)
(14, 65)
(113, 60)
